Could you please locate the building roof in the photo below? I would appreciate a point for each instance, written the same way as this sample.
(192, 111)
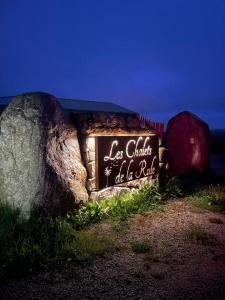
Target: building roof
(189, 114)
(75, 105)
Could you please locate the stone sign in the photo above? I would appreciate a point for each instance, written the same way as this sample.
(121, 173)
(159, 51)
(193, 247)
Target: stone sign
(120, 159)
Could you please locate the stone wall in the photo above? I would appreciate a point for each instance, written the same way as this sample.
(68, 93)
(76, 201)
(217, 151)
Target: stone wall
(64, 150)
(101, 124)
(88, 154)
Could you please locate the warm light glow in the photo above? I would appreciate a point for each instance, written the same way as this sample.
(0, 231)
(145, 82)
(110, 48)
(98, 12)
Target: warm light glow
(127, 158)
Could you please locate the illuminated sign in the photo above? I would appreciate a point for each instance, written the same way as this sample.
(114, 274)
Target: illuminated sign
(125, 158)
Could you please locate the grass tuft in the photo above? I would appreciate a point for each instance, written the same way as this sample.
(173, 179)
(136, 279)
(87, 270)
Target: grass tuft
(120, 226)
(172, 189)
(212, 199)
(140, 247)
(200, 235)
(90, 245)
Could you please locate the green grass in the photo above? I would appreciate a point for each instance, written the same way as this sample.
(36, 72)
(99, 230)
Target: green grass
(119, 226)
(200, 235)
(39, 241)
(36, 242)
(212, 199)
(140, 247)
(87, 246)
(148, 198)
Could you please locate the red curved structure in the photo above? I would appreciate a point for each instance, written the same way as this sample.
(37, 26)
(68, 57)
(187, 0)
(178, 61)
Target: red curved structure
(188, 142)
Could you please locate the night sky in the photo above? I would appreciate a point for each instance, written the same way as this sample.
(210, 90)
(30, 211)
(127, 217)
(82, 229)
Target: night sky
(155, 57)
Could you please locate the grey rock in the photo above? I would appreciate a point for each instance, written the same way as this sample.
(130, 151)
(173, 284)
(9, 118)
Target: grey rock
(90, 144)
(108, 192)
(91, 184)
(91, 169)
(90, 156)
(40, 161)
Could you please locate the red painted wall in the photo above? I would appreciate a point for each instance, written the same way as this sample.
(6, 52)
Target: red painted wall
(188, 142)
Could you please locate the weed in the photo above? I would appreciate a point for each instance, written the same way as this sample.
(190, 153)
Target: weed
(120, 226)
(90, 245)
(157, 255)
(86, 215)
(197, 234)
(148, 198)
(140, 247)
(212, 199)
(139, 220)
(119, 207)
(172, 188)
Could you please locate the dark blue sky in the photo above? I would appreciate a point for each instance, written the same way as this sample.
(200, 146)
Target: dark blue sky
(155, 57)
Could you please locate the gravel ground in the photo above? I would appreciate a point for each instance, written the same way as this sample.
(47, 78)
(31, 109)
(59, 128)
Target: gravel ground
(174, 268)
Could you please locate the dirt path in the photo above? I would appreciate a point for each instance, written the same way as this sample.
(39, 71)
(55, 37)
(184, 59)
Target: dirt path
(176, 267)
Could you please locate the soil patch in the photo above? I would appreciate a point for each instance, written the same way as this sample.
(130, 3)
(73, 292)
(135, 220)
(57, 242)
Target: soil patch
(174, 267)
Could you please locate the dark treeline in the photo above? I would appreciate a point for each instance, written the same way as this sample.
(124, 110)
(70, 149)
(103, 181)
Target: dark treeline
(218, 141)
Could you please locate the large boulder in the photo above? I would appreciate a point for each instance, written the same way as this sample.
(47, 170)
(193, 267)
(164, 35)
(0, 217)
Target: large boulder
(40, 162)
